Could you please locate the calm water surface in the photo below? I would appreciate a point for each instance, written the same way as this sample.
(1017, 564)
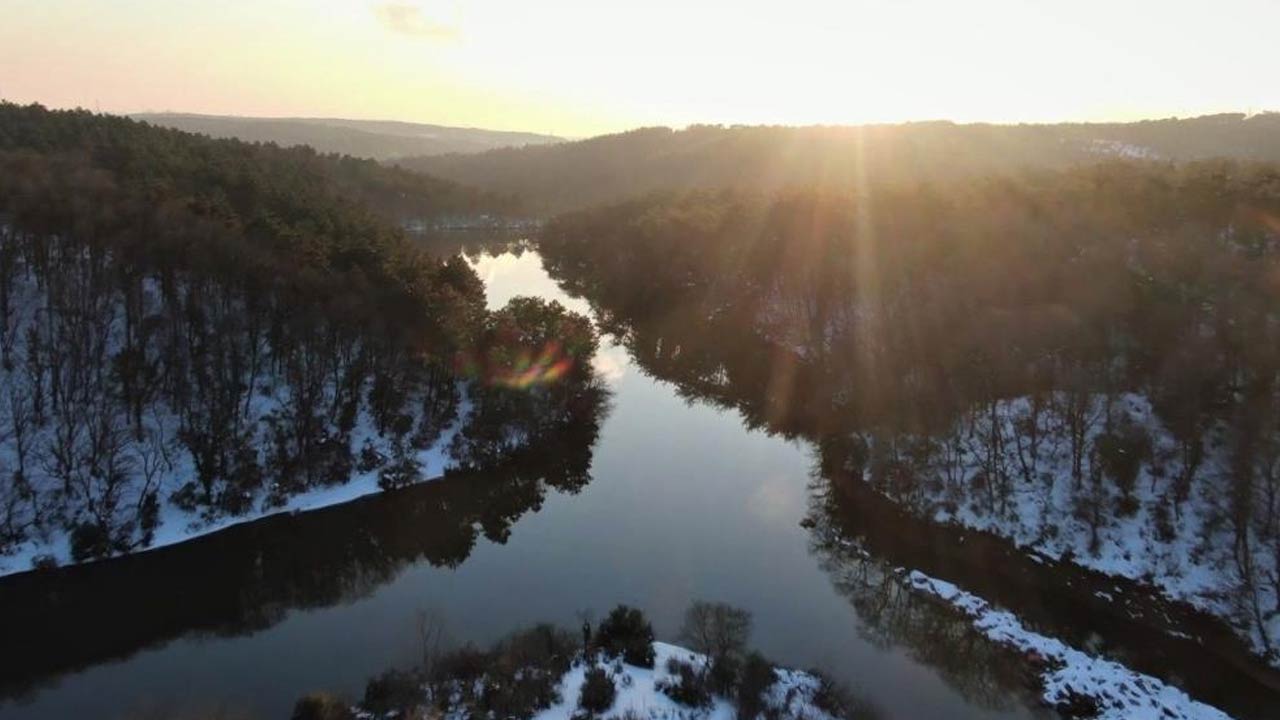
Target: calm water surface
(685, 503)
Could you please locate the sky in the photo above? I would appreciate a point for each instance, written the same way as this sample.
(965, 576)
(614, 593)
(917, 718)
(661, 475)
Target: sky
(578, 68)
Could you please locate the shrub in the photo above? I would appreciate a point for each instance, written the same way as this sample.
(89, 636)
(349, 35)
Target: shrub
(518, 694)
(516, 679)
(543, 646)
(686, 685)
(722, 675)
(189, 497)
(89, 540)
(524, 671)
(755, 680)
(598, 692)
(392, 690)
(626, 633)
(321, 706)
(403, 471)
(370, 458)
(336, 462)
(1121, 454)
(1077, 705)
(838, 701)
(44, 562)
(465, 664)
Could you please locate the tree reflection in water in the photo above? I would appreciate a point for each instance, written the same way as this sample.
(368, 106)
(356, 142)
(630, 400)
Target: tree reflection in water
(879, 482)
(250, 576)
(896, 616)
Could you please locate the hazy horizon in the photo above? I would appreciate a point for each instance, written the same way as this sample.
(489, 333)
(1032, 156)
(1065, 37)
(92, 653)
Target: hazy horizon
(581, 69)
(624, 129)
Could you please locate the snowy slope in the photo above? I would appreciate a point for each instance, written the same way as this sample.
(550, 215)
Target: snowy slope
(1189, 560)
(791, 694)
(1120, 693)
(176, 525)
(154, 461)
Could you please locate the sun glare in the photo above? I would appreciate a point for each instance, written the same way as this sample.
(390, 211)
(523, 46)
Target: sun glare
(579, 68)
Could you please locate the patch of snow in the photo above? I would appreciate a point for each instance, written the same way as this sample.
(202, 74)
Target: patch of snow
(1121, 693)
(637, 692)
(1117, 148)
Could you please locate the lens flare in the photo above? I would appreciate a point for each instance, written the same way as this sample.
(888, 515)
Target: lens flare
(525, 369)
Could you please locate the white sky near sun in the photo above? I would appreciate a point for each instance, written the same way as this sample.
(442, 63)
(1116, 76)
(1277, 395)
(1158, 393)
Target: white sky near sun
(578, 68)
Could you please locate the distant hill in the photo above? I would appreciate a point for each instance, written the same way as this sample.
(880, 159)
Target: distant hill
(377, 139)
(608, 168)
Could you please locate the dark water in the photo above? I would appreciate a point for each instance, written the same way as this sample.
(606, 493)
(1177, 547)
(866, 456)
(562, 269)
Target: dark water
(684, 503)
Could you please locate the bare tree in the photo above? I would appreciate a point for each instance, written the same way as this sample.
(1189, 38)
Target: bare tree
(431, 638)
(717, 630)
(152, 456)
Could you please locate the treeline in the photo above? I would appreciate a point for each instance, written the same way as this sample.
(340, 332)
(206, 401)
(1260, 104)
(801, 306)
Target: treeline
(568, 176)
(376, 139)
(213, 325)
(189, 164)
(1069, 334)
(921, 301)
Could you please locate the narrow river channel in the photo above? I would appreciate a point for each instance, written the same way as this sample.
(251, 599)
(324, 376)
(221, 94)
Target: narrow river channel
(684, 503)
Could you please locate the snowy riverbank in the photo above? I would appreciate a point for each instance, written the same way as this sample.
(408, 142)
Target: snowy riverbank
(1070, 677)
(1011, 470)
(175, 524)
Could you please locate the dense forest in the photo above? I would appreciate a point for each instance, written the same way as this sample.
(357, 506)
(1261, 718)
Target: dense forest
(1084, 361)
(612, 168)
(237, 167)
(205, 328)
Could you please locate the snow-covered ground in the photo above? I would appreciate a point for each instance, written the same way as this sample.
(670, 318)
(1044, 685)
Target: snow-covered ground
(1031, 497)
(638, 692)
(1117, 148)
(154, 461)
(175, 525)
(1068, 674)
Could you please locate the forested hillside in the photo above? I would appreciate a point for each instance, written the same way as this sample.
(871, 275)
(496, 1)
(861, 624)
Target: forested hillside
(194, 330)
(1087, 362)
(375, 139)
(615, 167)
(189, 163)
